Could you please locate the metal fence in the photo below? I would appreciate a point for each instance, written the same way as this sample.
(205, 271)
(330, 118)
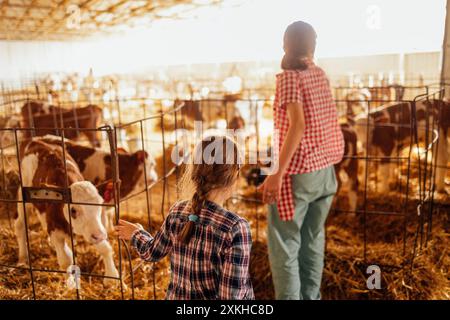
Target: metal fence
(178, 115)
(11, 159)
(400, 141)
(145, 131)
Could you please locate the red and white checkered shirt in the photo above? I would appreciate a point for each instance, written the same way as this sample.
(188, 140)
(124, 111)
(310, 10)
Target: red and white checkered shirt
(322, 144)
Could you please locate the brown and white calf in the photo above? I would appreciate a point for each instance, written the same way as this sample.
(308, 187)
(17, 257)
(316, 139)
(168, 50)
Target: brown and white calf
(43, 165)
(44, 117)
(96, 166)
(388, 129)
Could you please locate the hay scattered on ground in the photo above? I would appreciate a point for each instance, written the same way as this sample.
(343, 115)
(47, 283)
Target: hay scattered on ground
(344, 274)
(345, 270)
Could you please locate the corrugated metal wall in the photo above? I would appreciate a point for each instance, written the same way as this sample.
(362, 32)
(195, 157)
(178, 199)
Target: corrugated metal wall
(426, 65)
(410, 68)
(24, 60)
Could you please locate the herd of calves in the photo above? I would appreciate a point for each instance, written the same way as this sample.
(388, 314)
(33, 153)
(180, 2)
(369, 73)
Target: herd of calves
(47, 160)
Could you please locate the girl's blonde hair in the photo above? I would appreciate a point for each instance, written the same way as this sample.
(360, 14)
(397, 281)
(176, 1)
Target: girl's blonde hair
(215, 165)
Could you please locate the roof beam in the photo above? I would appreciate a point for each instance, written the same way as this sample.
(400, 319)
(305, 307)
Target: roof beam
(53, 21)
(25, 14)
(25, 6)
(64, 4)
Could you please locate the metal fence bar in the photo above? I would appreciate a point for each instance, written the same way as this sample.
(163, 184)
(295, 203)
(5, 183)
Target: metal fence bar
(30, 267)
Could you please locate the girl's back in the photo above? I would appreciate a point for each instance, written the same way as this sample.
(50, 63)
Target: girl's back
(209, 246)
(214, 264)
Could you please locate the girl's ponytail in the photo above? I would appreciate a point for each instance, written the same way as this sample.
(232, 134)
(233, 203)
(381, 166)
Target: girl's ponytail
(292, 62)
(197, 203)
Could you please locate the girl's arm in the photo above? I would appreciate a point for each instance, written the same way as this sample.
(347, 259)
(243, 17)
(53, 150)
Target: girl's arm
(235, 279)
(149, 248)
(272, 184)
(294, 135)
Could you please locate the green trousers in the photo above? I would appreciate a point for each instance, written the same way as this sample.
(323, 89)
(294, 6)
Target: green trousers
(297, 247)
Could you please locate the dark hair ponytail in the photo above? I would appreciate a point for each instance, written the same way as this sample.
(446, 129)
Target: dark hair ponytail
(299, 41)
(290, 62)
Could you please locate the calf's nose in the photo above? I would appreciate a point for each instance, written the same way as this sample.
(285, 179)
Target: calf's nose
(97, 237)
(153, 176)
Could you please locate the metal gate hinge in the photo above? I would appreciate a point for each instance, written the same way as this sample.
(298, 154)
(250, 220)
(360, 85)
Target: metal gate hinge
(46, 194)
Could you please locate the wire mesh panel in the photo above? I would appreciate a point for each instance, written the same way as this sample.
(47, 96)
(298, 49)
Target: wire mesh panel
(387, 178)
(50, 184)
(382, 177)
(353, 100)
(122, 177)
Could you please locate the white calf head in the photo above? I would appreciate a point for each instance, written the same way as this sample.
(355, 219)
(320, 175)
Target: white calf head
(357, 103)
(86, 219)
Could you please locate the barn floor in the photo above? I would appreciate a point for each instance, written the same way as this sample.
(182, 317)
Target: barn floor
(344, 274)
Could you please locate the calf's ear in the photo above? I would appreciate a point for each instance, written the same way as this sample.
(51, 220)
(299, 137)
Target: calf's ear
(121, 150)
(140, 156)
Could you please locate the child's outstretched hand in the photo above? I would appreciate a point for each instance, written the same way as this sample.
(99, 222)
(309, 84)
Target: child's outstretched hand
(126, 229)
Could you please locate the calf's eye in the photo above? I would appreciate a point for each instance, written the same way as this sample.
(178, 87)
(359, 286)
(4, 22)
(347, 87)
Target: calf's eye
(73, 213)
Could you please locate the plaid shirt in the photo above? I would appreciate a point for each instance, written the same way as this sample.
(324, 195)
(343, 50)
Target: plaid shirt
(322, 144)
(215, 262)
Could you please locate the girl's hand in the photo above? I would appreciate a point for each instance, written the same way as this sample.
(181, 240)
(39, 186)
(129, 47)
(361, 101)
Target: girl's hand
(126, 229)
(271, 188)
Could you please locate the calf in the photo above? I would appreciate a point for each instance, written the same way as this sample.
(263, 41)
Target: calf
(389, 130)
(43, 165)
(236, 122)
(209, 112)
(44, 118)
(96, 166)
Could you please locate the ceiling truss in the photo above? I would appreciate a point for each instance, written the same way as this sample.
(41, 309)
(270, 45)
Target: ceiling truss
(63, 20)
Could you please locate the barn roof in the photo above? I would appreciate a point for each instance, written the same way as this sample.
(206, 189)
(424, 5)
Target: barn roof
(76, 19)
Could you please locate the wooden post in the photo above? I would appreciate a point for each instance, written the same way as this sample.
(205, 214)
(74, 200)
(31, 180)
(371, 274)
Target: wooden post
(445, 73)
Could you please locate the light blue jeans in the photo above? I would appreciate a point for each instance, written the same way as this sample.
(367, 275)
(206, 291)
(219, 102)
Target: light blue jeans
(297, 247)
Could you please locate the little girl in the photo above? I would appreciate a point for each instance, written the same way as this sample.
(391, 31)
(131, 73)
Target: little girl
(209, 245)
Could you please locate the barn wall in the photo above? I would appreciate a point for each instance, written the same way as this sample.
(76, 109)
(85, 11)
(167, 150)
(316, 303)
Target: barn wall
(336, 67)
(423, 64)
(417, 67)
(23, 60)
